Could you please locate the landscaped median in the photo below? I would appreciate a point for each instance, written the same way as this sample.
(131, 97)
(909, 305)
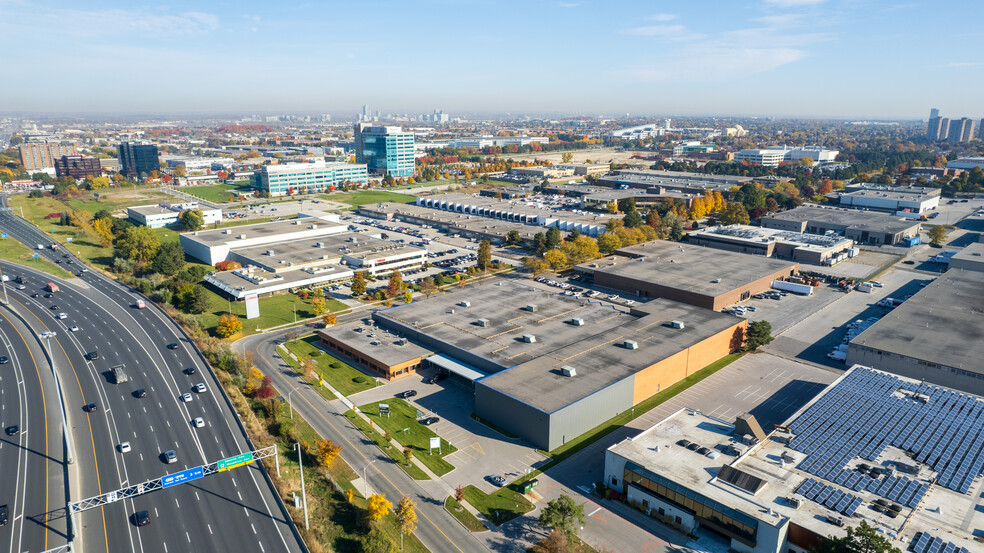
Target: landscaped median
(402, 425)
(464, 516)
(411, 469)
(337, 373)
(500, 506)
(12, 250)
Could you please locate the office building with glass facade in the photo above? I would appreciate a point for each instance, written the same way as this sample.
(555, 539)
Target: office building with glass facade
(384, 150)
(138, 160)
(300, 178)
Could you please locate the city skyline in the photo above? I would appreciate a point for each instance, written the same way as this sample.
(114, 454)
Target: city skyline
(782, 58)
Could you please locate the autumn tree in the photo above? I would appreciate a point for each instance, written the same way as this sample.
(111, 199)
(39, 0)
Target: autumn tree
(771, 205)
(228, 325)
(104, 230)
(580, 249)
(192, 219)
(554, 542)
(567, 157)
(734, 214)
(535, 265)
(407, 455)
(378, 506)
(555, 258)
(406, 515)
(936, 235)
(359, 284)
(484, 255)
(329, 319)
(428, 287)
(395, 285)
(319, 305)
(611, 207)
(459, 493)
(326, 451)
(180, 171)
(138, 243)
(227, 265)
(608, 242)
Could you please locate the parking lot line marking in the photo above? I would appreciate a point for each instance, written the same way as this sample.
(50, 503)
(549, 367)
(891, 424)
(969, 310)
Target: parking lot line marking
(591, 514)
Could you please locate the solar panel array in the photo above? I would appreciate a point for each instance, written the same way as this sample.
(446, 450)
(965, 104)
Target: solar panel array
(829, 496)
(863, 414)
(924, 543)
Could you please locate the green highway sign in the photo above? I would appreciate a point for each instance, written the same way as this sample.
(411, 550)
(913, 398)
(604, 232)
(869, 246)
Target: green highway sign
(235, 461)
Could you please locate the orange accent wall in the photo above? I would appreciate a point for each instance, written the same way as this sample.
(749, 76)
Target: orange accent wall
(671, 370)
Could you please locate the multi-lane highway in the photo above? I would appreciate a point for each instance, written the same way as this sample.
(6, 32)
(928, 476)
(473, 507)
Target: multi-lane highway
(236, 510)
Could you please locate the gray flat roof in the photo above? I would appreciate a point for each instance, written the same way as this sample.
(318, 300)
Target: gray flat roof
(270, 229)
(891, 195)
(688, 267)
(940, 324)
(851, 218)
(595, 349)
(380, 344)
(973, 252)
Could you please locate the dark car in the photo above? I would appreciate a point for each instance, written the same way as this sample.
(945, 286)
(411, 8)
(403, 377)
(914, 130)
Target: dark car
(190, 370)
(172, 345)
(429, 421)
(93, 355)
(3, 359)
(89, 407)
(12, 430)
(49, 295)
(909, 262)
(53, 308)
(408, 394)
(141, 518)
(434, 379)
(35, 295)
(3, 515)
(140, 393)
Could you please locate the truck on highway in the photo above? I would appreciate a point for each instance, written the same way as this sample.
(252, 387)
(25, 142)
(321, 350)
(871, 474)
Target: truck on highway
(119, 375)
(802, 289)
(140, 304)
(52, 287)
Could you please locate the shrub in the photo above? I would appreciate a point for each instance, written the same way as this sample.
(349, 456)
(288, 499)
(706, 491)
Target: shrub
(359, 380)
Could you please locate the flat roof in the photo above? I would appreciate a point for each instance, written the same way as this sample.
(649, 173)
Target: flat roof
(236, 279)
(760, 235)
(940, 324)
(687, 267)
(458, 220)
(850, 218)
(382, 345)
(973, 252)
(270, 229)
(527, 206)
(902, 196)
(595, 349)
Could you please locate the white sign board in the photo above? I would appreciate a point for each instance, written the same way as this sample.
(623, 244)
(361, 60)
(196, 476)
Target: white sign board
(252, 306)
(435, 443)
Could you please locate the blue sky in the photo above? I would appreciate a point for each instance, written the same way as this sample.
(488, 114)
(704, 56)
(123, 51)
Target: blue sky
(811, 58)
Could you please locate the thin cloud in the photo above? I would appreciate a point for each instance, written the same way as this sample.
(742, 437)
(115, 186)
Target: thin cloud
(794, 3)
(662, 17)
(712, 64)
(115, 21)
(963, 64)
(670, 32)
(781, 20)
(568, 4)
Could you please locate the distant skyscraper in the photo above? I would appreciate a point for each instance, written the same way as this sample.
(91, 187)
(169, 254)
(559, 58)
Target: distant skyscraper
(137, 160)
(384, 150)
(42, 155)
(933, 128)
(960, 130)
(980, 129)
(944, 128)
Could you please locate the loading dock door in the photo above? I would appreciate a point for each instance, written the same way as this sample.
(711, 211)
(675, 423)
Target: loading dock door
(458, 372)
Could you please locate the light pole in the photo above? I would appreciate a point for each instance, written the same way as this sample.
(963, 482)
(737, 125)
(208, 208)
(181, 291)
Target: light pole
(290, 404)
(300, 466)
(3, 282)
(47, 336)
(365, 478)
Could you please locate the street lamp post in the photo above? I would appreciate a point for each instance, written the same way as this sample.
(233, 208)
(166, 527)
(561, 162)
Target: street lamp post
(47, 336)
(3, 282)
(300, 466)
(365, 478)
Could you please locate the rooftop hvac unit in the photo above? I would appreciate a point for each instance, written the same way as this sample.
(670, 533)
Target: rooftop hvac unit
(226, 231)
(568, 370)
(577, 321)
(241, 237)
(631, 344)
(270, 253)
(677, 324)
(464, 303)
(319, 244)
(529, 338)
(484, 323)
(795, 502)
(531, 308)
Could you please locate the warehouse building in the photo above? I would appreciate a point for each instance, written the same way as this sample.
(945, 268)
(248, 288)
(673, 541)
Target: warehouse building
(465, 226)
(548, 367)
(970, 258)
(937, 335)
(864, 227)
(912, 199)
(518, 211)
(704, 277)
(780, 244)
(374, 349)
(169, 215)
(690, 183)
(869, 447)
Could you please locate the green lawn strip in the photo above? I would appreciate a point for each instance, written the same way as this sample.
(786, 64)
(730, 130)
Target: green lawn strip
(313, 382)
(275, 310)
(218, 193)
(500, 506)
(343, 377)
(403, 426)
(413, 470)
(584, 440)
(363, 197)
(12, 250)
(464, 516)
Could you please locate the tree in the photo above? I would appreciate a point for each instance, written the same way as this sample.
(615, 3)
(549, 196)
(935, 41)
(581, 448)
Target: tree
(759, 333)
(138, 243)
(567, 157)
(734, 214)
(936, 235)
(859, 539)
(329, 319)
(169, 260)
(406, 515)
(395, 285)
(484, 255)
(376, 541)
(407, 455)
(407, 296)
(535, 265)
(563, 515)
(319, 305)
(676, 231)
(228, 325)
(608, 242)
(627, 205)
(181, 171)
(378, 506)
(192, 219)
(554, 542)
(359, 284)
(104, 230)
(553, 237)
(459, 493)
(580, 249)
(326, 451)
(555, 258)
(611, 207)
(632, 219)
(513, 238)
(428, 287)
(97, 183)
(193, 298)
(228, 265)
(771, 204)
(539, 243)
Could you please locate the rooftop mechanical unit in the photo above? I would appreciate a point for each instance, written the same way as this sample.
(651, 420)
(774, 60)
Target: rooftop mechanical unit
(464, 303)
(484, 323)
(529, 338)
(568, 370)
(677, 324)
(531, 308)
(631, 344)
(577, 321)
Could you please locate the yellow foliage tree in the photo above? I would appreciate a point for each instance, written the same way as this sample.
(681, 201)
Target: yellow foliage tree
(253, 380)
(378, 506)
(535, 265)
(329, 319)
(350, 494)
(609, 242)
(612, 207)
(319, 305)
(104, 230)
(326, 452)
(555, 258)
(228, 325)
(406, 515)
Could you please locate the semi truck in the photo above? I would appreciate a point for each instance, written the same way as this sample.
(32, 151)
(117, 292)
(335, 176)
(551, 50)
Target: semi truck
(119, 375)
(802, 289)
(52, 287)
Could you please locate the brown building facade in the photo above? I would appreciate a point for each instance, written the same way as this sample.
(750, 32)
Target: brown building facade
(36, 156)
(78, 167)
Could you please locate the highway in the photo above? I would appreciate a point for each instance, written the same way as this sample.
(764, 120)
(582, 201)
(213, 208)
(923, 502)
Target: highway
(233, 510)
(32, 457)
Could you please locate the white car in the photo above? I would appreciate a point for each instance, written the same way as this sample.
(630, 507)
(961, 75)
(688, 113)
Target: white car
(198, 422)
(62, 316)
(186, 397)
(21, 287)
(876, 284)
(629, 302)
(73, 328)
(124, 447)
(613, 297)
(200, 388)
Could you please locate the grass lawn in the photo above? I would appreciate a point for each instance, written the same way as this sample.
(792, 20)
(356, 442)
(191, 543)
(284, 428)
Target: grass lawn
(342, 376)
(363, 197)
(218, 193)
(426, 183)
(397, 456)
(500, 506)
(313, 382)
(403, 426)
(275, 310)
(469, 520)
(12, 250)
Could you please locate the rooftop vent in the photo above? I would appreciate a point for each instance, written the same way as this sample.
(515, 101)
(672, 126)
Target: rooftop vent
(531, 308)
(226, 231)
(319, 244)
(529, 338)
(241, 237)
(464, 303)
(270, 253)
(568, 370)
(630, 344)
(577, 321)
(484, 323)
(677, 324)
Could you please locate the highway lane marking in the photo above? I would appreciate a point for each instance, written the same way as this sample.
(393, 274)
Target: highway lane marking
(253, 527)
(261, 545)
(176, 503)
(209, 528)
(188, 536)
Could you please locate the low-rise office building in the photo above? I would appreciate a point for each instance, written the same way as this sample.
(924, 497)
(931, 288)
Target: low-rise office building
(704, 277)
(291, 178)
(772, 157)
(870, 447)
(212, 246)
(466, 226)
(936, 335)
(585, 169)
(780, 244)
(544, 172)
(909, 199)
(169, 215)
(671, 181)
(374, 349)
(518, 211)
(78, 167)
(970, 258)
(864, 227)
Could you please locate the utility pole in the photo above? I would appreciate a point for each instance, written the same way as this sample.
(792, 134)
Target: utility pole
(3, 282)
(303, 493)
(68, 445)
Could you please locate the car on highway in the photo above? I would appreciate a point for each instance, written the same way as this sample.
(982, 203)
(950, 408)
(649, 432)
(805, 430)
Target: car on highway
(498, 480)
(140, 393)
(73, 328)
(53, 308)
(408, 394)
(170, 456)
(3, 514)
(49, 295)
(429, 421)
(190, 370)
(124, 447)
(21, 287)
(141, 518)
(35, 295)
(3, 359)
(200, 388)
(93, 355)
(89, 407)
(198, 422)
(172, 345)
(12, 430)
(62, 316)
(186, 397)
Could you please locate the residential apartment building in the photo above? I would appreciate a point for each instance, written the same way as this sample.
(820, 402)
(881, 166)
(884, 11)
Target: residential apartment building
(384, 150)
(78, 167)
(961, 130)
(292, 178)
(36, 156)
(138, 160)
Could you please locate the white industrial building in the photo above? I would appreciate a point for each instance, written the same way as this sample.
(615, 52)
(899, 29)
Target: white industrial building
(772, 157)
(966, 163)
(212, 246)
(489, 141)
(168, 215)
(893, 200)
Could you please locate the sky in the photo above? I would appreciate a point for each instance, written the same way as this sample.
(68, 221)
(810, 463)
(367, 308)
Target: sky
(869, 59)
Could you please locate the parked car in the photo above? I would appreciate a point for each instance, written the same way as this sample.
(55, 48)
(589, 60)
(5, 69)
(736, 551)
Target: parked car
(429, 421)
(498, 480)
(408, 394)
